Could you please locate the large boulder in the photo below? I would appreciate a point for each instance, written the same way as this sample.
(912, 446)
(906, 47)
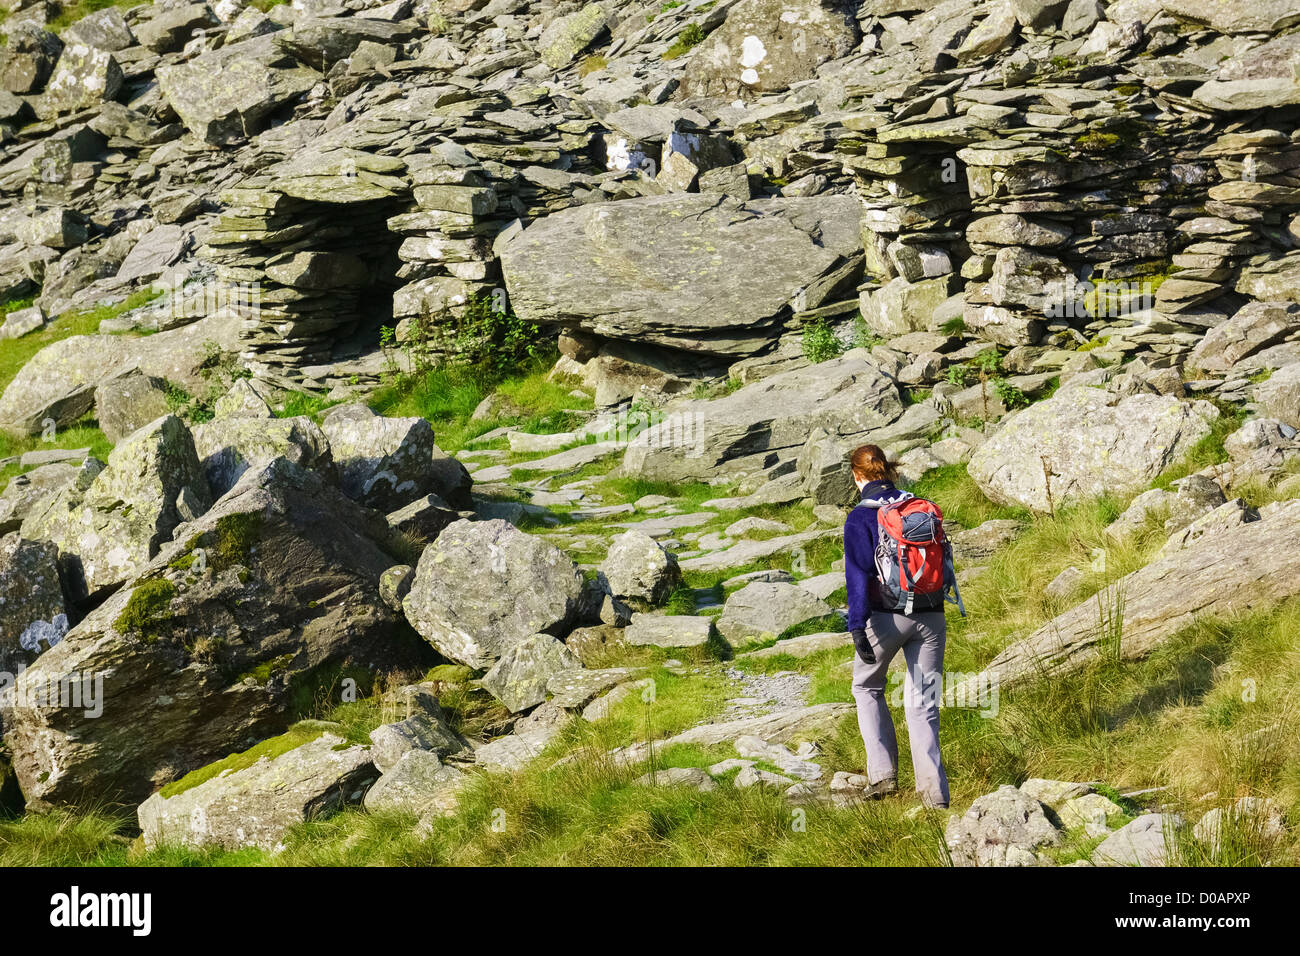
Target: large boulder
(978, 544)
(102, 30)
(423, 519)
(1261, 448)
(1090, 442)
(484, 586)
(255, 608)
(170, 28)
(823, 461)
(1038, 15)
(228, 447)
(84, 77)
(1271, 279)
(55, 228)
(426, 729)
(109, 532)
(669, 270)
(1190, 498)
(1254, 327)
(901, 306)
(638, 568)
(386, 463)
(32, 490)
(224, 96)
(1004, 828)
(1257, 818)
(767, 46)
(668, 630)
(34, 618)
(763, 611)
(247, 398)
(1245, 567)
(846, 396)
(255, 805)
(158, 250)
(21, 322)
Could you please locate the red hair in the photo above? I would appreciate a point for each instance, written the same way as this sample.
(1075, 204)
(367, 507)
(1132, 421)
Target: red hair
(869, 462)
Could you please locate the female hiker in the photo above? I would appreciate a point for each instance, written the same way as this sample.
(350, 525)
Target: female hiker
(879, 633)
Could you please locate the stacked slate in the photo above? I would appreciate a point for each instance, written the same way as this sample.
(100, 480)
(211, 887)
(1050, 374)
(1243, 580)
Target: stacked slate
(298, 248)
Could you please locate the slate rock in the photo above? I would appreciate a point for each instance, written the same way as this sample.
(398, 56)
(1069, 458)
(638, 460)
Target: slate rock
(456, 603)
(1004, 828)
(256, 806)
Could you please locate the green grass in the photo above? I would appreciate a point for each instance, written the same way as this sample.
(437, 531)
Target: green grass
(687, 496)
(819, 342)
(592, 64)
(680, 701)
(1007, 599)
(1175, 719)
(84, 434)
(1206, 452)
(295, 404)
(15, 353)
(680, 601)
(692, 35)
(61, 838)
(71, 12)
(447, 397)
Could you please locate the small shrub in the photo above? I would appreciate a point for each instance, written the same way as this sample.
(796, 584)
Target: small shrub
(691, 36)
(954, 326)
(863, 336)
(819, 342)
(1011, 396)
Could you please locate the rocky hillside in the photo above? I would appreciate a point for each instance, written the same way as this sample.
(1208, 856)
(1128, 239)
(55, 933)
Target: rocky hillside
(424, 425)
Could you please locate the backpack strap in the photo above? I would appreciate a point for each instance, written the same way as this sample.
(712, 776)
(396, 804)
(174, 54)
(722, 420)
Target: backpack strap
(956, 598)
(956, 591)
(877, 503)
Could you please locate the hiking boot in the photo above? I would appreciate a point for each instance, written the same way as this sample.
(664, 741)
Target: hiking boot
(882, 788)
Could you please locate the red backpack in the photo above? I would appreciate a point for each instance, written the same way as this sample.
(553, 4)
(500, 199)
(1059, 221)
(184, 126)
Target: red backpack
(913, 559)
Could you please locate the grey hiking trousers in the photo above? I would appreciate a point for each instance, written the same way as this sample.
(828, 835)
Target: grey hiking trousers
(921, 638)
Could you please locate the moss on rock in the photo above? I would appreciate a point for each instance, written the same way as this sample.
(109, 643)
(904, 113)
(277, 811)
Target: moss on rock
(300, 733)
(148, 609)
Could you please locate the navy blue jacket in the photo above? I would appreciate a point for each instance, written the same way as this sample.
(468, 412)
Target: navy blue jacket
(861, 535)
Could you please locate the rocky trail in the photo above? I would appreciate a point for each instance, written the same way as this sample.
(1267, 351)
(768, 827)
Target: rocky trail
(412, 409)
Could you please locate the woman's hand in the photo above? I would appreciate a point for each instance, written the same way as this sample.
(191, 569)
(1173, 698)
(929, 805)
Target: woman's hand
(863, 645)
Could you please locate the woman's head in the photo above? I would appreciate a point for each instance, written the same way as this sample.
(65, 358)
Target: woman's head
(870, 464)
